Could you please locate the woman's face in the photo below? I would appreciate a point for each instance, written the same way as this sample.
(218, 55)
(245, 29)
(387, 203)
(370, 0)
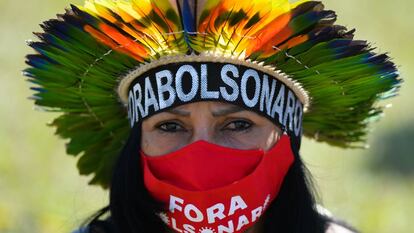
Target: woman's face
(215, 122)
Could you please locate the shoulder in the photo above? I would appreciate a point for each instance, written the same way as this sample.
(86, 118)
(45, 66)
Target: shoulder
(82, 230)
(336, 228)
(334, 225)
(97, 226)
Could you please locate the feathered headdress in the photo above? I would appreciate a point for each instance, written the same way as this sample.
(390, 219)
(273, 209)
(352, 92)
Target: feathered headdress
(92, 62)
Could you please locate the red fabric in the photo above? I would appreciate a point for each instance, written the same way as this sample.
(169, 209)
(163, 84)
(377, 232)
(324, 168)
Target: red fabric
(209, 188)
(196, 168)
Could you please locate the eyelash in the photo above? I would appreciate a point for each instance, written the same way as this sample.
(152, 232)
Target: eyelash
(162, 125)
(243, 129)
(166, 130)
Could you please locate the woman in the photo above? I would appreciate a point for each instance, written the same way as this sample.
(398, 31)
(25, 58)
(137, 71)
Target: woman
(226, 125)
(217, 95)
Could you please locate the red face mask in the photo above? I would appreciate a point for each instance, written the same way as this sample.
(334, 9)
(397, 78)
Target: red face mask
(208, 188)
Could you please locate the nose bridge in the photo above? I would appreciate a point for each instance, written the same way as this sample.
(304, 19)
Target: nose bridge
(202, 133)
(203, 130)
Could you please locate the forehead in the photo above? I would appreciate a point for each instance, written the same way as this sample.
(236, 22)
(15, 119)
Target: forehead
(210, 110)
(210, 106)
(214, 108)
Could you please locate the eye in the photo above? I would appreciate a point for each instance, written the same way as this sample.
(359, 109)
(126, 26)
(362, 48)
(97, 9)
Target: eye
(238, 125)
(170, 127)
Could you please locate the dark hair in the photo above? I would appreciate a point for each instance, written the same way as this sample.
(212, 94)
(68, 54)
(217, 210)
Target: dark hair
(132, 210)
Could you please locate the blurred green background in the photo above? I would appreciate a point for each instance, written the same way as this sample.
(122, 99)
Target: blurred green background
(41, 191)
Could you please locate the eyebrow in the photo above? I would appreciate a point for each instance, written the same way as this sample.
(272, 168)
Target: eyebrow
(227, 111)
(218, 113)
(178, 112)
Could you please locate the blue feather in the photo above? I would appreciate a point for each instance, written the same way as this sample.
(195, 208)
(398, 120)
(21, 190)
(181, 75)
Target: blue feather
(38, 61)
(188, 15)
(39, 89)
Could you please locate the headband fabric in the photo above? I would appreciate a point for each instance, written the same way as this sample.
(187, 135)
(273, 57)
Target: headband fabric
(176, 84)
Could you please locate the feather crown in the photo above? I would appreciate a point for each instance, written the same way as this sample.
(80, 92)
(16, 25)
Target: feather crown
(84, 53)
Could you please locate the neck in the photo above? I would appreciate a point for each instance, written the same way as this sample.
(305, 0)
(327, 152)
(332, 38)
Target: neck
(257, 228)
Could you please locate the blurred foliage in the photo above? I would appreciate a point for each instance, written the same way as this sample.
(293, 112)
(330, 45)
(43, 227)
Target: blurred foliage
(41, 191)
(397, 141)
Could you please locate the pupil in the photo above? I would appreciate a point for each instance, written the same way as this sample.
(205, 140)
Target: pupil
(171, 126)
(240, 124)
